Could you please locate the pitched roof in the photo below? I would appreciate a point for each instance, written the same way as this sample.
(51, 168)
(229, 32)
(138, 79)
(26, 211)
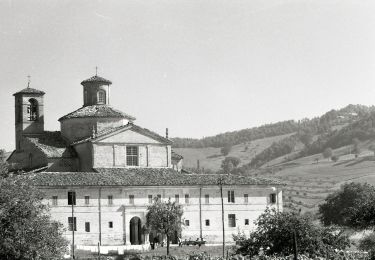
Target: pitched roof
(96, 79)
(141, 177)
(101, 111)
(52, 145)
(29, 91)
(138, 129)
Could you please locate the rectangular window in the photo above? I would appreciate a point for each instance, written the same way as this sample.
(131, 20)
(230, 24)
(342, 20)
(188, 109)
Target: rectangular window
(131, 199)
(150, 199)
(71, 198)
(110, 200)
(231, 196)
(177, 198)
(232, 220)
(246, 198)
(246, 222)
(273, 198)
(159, 197)
(70, 224)
(110, 224)
(87, 200)
(187, 222)
(207, 222)
(132, 155)
(187, 198)
(207, 199)
(54, 200)
(87, 226)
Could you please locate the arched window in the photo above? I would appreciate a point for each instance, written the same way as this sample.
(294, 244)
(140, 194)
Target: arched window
(101, 97)
(85, 96)
(32, 110)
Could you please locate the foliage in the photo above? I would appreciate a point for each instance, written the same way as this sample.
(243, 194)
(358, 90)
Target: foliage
(372, 148)
(165, 218)
(229, 163)
(335, 158)
(27, 232)
(306, 138)
(275, 230)
(225, 150)
(327, 153)
(351, 206)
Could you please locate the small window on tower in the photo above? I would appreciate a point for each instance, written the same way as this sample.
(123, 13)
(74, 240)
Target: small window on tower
(32, 110)
(101, 97)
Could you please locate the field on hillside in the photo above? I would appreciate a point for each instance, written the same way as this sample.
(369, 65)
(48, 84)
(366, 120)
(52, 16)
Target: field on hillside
(210, 158)
(308, 183)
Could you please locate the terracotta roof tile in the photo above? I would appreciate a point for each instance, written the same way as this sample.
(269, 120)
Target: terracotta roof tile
(96, 79)
(29, 91)
(52, 145)
(97, 111)
(141, 177)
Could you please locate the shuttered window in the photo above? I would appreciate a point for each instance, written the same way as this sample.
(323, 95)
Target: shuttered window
(132, 155)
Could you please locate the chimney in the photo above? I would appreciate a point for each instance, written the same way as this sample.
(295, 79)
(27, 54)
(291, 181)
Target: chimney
(166, 133)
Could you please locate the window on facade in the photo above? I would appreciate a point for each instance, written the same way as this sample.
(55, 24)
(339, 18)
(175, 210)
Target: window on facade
(54, 200)
(231, 196)
(246, 222)
(232, 220)
(101, 97)
(207, 222)
(110, 224)
(158, 197)
(32, 110)
(207, 199)
(186, 198)
(110, 200)
(273, 198)
(87, 226)
(71, 198)
(87, 200)
(150, 199)
(131, 199)
(132, 156)
(187, 222)
(71, 224)
(177, 198)
(246, 198)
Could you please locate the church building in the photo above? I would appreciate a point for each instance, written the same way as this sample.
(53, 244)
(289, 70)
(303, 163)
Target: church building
(101, 171)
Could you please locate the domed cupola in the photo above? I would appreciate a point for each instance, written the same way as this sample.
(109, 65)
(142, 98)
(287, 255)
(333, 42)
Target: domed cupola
(96, 91)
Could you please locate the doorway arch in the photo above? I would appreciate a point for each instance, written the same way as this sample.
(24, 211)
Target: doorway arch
(135, 231)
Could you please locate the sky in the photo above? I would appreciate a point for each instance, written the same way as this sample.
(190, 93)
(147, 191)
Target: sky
(197, 67)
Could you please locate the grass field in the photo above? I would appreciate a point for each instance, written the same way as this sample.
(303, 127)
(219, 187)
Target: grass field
(210, 158)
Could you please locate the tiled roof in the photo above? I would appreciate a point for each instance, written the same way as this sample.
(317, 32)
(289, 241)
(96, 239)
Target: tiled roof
(29, 91)
(141, 177)
(128, 126)
(97, 111)
(176, 156)
(52, 145)
(96, 79)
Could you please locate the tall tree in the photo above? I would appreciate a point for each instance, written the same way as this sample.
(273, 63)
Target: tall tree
(229, 163)
(165, 218)
(27, 231)
(327, 153)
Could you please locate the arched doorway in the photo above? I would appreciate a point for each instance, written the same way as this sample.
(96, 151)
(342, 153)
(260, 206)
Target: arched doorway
(135, 231)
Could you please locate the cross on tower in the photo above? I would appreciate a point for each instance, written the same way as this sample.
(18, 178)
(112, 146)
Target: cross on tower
(28, 80)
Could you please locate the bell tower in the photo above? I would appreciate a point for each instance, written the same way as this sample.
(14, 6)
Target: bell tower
(96, 91)
(29, 113)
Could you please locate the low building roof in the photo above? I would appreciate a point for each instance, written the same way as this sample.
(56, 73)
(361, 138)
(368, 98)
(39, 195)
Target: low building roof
(52, 145)
(129, 126)
(29, 91)
(96, 79)
(141, 177)
(98, 111)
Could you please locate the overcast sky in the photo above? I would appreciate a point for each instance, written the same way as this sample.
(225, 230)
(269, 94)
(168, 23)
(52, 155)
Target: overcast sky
(197, 67)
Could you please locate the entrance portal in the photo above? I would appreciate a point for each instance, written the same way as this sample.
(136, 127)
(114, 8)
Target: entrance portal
(135, 231)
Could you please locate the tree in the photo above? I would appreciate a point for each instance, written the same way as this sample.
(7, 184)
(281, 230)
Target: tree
(351, 206)
(372, 148)
(165, 218)
(225, 150)
(306, 138)
(356, 147)
(327, 153)
(276, 231)
(229, 163)
(27, 232)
